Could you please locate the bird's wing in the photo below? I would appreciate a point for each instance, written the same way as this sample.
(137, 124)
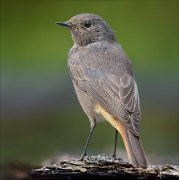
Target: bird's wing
(118, 95)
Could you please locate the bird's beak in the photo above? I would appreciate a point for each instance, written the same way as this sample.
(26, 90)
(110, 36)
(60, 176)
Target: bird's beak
(63, 24)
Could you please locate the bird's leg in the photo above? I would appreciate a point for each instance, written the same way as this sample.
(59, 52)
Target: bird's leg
(115, 144)
(88, 140)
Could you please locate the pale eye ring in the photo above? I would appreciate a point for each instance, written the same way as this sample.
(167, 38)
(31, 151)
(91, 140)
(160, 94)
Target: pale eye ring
(87, 24)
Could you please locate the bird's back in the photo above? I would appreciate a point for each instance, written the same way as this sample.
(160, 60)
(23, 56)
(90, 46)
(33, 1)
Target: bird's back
(98, 59)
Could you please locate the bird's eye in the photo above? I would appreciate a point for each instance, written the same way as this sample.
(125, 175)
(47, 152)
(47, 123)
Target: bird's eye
(87, 24)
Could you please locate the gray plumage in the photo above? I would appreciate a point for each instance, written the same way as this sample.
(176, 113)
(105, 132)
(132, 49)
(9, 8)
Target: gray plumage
(102, 74)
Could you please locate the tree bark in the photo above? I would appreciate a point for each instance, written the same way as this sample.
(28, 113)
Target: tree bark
(104, 167)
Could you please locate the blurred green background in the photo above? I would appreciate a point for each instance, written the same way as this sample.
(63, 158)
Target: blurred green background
(40, 114)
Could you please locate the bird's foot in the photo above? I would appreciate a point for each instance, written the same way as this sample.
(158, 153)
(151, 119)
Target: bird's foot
(114, 156)
(82, 156)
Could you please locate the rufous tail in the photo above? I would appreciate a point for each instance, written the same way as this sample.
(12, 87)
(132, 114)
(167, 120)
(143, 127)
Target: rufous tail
(134, 148)
(132, 143)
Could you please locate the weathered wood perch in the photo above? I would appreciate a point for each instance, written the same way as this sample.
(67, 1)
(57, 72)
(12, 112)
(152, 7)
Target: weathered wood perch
(104, 167)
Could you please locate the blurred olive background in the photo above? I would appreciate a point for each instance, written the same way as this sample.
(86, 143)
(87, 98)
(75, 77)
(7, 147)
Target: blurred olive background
(40, 114)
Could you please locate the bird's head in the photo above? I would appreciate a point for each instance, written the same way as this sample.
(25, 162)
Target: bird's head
(88, 28)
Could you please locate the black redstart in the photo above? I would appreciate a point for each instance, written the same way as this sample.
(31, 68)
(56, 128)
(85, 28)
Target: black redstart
(104, 82)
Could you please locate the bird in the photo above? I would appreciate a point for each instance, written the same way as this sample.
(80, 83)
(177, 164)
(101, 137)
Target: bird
(104, 82)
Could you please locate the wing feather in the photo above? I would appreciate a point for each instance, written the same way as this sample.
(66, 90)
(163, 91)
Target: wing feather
(119, 97)
(116, 91)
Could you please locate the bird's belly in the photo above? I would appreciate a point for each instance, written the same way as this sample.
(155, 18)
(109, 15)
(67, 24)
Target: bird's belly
(88, 104)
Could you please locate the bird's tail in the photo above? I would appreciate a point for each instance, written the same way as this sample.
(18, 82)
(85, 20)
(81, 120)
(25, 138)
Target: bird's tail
(132, 143)
(134, 149)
